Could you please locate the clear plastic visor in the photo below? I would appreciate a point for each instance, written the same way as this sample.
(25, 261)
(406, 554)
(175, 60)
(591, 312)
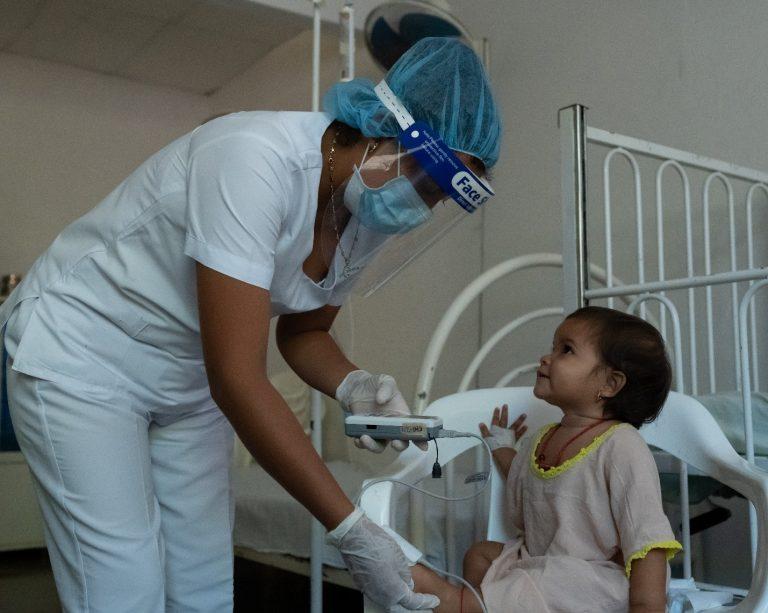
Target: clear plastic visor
(387, 213)
(389, 161)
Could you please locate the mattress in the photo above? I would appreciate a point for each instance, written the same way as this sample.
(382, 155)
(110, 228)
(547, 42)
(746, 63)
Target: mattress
(726, 408)
(269, 520)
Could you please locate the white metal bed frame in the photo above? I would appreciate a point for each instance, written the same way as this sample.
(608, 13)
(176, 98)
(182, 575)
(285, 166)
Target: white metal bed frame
(578, 271)
(575, 134)
(685, 429)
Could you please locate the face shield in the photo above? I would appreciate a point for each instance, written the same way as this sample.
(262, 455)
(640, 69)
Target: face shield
(405, 195)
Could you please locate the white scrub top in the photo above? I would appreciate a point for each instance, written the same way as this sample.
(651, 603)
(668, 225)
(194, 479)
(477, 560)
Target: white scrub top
(113, 301)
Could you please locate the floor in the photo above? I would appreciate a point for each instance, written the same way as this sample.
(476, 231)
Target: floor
(26, 585)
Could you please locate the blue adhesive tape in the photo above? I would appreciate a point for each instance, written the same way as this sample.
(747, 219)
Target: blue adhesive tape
(445, 168)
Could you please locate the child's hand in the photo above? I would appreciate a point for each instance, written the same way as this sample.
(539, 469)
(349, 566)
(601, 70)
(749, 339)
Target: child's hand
(499, 435)
(501, 439)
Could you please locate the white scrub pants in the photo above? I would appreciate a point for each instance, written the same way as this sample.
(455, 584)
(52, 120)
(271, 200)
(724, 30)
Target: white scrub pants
(138, 515)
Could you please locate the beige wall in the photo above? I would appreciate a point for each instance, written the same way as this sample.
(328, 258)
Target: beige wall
(67, 138)
(687, 74)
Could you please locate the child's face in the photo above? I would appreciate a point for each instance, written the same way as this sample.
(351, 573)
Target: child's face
(571, 376)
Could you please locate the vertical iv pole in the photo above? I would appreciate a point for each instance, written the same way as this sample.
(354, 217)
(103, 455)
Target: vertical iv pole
(347, 51)
(316, 399)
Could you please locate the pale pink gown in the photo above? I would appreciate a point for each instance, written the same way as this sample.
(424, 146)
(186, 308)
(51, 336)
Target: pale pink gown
(581, 525)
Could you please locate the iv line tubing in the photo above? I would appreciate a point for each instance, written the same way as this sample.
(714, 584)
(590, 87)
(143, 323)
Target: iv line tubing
(443, 434)
(452, 434)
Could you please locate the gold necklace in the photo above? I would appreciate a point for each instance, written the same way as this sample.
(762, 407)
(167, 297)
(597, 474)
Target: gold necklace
(347, 257)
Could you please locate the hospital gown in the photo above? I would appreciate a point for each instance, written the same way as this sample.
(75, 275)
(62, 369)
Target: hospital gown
(581, 525)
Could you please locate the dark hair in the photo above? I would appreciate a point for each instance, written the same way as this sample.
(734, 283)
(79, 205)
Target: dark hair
(347, 135)
(628, 344)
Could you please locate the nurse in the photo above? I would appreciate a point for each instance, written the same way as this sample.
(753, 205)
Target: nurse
(138, 340)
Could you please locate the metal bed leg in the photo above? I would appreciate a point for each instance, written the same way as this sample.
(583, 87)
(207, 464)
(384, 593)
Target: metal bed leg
(573, 131)
(318, 532)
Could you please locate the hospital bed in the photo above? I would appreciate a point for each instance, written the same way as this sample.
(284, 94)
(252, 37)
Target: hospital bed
(271, 528)
(685, 429)
(708, 319)
(715, 339)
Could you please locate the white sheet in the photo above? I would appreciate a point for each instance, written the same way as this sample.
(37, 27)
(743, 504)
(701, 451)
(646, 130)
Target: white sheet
(267, 519)
(727, 409)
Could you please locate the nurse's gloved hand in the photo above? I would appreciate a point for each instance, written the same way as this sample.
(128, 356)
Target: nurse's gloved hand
(362, 393)
(377, 564)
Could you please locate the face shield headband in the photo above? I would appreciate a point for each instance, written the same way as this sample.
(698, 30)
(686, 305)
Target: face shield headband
(456, 180)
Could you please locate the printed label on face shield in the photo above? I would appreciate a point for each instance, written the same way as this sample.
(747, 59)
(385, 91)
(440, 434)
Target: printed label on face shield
(442, 165)
(470, 188)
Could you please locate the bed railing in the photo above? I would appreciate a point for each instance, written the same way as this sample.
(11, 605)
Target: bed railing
(465, 298)
(432, 358)
(584, 280)
(575, 137)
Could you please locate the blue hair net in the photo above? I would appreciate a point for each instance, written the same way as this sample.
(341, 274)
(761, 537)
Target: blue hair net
(439, 81)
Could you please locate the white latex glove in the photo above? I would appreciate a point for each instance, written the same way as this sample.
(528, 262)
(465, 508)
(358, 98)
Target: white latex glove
(362, 393)
(377, 565)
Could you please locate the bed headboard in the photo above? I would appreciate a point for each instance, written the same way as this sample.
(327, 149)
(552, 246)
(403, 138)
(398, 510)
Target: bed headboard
(694, 256)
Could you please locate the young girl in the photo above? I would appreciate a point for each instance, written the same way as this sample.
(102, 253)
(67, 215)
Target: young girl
(583, 493)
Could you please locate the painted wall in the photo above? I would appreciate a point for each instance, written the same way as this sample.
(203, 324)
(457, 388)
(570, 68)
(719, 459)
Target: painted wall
(67, 138)
(685, 74)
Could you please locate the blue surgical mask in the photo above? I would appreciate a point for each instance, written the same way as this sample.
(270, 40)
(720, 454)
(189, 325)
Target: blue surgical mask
(393, 208)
